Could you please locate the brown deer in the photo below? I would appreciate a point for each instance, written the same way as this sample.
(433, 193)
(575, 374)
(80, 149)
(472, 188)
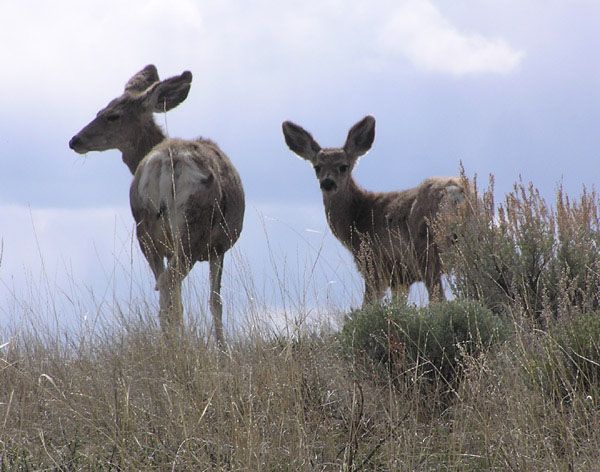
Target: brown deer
(186, 196)
(389, 233)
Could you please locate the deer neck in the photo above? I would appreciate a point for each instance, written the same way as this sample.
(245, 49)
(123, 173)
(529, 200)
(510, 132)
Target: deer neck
(342, 210)
(144, 140)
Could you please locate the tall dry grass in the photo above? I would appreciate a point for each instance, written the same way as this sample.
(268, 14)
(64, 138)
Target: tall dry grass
(121, 397)
(126, 400)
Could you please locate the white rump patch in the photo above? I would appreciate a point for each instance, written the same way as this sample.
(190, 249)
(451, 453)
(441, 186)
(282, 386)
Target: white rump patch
(163, 194)
(455, 194)
(191, 178)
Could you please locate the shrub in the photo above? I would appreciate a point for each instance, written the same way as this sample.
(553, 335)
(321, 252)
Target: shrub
(413, 343)
(525, 255)
(569, 361)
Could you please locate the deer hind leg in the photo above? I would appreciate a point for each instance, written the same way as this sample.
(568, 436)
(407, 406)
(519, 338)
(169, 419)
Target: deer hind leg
(153, 256)
(216, 303)
(374, 290)
(433, 276)
(399, 289)
(169, 288)
(435, 288)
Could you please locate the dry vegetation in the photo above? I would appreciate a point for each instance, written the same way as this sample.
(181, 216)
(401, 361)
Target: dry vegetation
(507, 377)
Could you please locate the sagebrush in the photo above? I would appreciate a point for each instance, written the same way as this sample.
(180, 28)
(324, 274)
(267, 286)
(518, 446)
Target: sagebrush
(525, 255)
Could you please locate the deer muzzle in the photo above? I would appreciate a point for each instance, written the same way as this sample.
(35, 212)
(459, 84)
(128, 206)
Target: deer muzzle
(328, 185)
(77, 145)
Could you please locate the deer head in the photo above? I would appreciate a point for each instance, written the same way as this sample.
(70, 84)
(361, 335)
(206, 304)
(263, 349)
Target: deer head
(120, 124)
(333, 166)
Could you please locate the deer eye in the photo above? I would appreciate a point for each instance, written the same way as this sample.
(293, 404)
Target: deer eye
(343, 168)
(317, 169)
(113, 117)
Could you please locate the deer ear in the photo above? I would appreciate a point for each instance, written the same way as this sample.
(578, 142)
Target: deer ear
(163, 96)
(300, 141)
(360, 137)
(143, 79)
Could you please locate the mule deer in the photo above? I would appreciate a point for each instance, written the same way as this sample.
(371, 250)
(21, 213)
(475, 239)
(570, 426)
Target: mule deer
(388, 233)
(186, 196)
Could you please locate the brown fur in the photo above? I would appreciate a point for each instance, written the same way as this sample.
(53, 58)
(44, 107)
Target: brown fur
(389, 233)
(186, 196)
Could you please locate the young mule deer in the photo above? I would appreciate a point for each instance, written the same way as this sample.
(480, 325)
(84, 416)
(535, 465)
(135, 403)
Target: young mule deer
(388, 233)
(186, 196)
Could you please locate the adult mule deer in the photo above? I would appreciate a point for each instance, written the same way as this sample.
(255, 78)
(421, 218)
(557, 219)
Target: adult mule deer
(186, 196)
(389, 233)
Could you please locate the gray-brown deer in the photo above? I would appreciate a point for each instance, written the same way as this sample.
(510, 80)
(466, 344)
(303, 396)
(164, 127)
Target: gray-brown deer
(389, 233)
(186, 196)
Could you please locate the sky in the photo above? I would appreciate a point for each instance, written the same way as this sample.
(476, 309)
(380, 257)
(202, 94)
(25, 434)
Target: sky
(506, 87)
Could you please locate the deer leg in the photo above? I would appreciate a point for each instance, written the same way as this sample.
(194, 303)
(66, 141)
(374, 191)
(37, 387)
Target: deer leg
(157, 265)
(433, 274)
(169, 287)
(399, 291)
(216, 303)
(155, 260)
(435, 288)
(371, 273)
(373, 292)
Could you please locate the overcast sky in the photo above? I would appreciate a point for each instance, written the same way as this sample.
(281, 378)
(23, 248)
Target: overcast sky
(507, 87)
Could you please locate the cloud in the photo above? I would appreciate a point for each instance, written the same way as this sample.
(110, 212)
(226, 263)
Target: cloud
(49, 48)
(418, 31)
(85, 51)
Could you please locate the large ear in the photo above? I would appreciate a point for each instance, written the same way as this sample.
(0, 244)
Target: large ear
(163, 96)
(360, 137)
(300, 141)
(143, 79)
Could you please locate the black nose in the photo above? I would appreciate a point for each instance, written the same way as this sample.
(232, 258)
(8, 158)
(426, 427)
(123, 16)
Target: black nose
(327, 185)
(75, 142)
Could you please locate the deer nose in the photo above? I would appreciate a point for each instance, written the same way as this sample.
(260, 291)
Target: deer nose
(75, 142)
(327, 185)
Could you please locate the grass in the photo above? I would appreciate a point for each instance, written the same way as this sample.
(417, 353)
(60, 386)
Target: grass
(128, 401)
(120, 397)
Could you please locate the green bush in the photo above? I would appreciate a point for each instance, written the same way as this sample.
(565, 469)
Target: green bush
(569, 361)
(421, 343)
